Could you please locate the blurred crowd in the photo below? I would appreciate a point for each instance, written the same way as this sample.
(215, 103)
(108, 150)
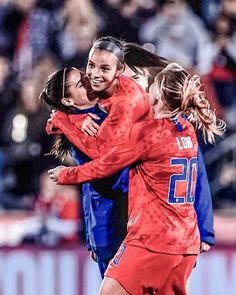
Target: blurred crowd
(39, 36)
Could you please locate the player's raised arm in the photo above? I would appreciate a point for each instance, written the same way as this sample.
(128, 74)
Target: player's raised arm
(131, 149)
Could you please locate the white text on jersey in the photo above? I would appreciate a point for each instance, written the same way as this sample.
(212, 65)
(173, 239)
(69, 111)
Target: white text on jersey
(184, 142)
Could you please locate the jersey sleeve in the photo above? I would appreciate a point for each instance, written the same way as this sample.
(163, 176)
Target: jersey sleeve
(61, 123)
(203, 204)
(119, 156)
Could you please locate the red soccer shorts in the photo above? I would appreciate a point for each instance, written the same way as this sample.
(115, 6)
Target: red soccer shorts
(141, 271)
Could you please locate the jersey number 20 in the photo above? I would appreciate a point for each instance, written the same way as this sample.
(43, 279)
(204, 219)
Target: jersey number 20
(186, 176)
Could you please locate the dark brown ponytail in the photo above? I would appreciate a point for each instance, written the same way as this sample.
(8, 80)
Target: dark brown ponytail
(51, 97)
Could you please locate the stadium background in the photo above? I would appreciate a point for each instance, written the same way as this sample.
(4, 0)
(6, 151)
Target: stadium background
(41, 226)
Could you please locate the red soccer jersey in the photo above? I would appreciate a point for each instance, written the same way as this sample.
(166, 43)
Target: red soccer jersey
(161, 185)
(128, 105)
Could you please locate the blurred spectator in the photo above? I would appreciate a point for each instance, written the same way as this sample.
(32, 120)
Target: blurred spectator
(227, 180)
(220, 162)
(9, 92)
(59, 210)
(1, 172)
(33, 40)
(82, 38)
(10, 20)
(46, 65)
(124, 24)
(8, 96)
(26, 144)
(134, 8)
(224, 59)
(210, 10)
(179, 35)
(54, 219)
(79, 29)
(229, 8)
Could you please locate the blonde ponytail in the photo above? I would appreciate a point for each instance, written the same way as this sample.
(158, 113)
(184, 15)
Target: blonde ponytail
(182, 94)
(198, 111)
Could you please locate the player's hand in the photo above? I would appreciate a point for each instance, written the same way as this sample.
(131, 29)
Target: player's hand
(89, 126)
(204, 247)
(54, 173)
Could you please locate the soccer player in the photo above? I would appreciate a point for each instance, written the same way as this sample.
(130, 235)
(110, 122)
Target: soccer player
(163, 241)
(142, 66)
(105, 201)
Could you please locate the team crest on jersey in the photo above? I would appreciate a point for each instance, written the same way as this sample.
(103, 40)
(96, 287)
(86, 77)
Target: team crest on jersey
(119, 254)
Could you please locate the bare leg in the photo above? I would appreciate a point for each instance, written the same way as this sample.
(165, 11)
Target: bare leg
(112, 287)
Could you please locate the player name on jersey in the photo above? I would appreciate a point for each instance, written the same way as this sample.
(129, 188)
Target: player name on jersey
(184, 142)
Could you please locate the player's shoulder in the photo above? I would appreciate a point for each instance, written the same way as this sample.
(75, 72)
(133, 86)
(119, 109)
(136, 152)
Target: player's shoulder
(167, 128)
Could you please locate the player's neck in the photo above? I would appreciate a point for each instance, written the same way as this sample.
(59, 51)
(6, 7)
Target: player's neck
(106, 93)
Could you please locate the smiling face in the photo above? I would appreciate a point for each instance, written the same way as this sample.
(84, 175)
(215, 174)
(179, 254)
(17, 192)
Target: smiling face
(103, 71)
(80, 94)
